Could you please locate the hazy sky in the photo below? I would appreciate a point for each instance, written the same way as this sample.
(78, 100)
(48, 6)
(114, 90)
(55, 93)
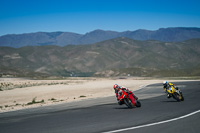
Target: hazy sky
(81, 16)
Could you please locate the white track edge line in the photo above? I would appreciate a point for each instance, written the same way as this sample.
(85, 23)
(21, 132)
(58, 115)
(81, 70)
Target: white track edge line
(152, 124)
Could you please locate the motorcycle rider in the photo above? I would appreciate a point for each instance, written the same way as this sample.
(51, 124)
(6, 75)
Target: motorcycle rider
(166, 86)
(118, 91)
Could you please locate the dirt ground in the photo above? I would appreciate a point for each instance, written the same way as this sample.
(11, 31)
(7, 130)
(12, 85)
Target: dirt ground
(18, 94)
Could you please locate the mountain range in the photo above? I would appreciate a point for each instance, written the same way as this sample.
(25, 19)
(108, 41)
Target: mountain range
(176, 34)
(114, 57)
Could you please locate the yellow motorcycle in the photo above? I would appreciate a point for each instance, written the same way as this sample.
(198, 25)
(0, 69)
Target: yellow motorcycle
(175, 93)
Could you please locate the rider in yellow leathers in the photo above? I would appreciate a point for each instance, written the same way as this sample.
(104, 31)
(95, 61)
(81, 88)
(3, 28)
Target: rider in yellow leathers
(166, 86)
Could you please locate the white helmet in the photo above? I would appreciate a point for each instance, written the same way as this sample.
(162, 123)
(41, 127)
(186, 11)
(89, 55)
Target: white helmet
(164, 82)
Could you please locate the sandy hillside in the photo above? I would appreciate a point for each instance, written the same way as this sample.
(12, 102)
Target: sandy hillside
(22, 93)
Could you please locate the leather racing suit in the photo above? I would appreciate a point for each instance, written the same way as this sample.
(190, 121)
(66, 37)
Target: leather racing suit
(119, 93)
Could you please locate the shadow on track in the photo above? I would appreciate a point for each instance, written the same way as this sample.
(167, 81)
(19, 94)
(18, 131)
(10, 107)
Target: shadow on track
(170, 101)
(124, 108)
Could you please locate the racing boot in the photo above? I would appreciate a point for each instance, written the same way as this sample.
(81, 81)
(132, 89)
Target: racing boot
(120, 102)
(168, 95)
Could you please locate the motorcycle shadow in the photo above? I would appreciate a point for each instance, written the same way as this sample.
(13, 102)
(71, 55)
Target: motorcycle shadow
(124, 108)
(170, 101)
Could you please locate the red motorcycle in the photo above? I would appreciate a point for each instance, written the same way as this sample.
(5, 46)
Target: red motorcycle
(129, 99)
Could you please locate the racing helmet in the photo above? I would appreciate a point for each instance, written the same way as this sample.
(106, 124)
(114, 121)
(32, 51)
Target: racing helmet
(164, 82)
(116, 87)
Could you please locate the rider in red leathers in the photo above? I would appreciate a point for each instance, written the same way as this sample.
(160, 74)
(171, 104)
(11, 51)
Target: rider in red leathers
(118, 91)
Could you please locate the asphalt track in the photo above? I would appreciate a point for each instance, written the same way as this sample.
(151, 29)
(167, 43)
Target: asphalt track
(105, 115)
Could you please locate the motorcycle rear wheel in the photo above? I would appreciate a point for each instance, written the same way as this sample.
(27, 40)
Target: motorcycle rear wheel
(138, 104)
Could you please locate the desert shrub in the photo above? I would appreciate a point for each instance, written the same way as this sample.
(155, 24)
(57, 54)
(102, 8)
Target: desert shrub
(82, 96)
(42, 101)
(34, 101)
(52, 99)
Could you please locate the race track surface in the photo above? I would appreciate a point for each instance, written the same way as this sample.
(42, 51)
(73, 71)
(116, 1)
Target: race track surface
(108, 116)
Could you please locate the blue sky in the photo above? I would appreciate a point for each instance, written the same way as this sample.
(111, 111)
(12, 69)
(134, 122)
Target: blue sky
(81, 16)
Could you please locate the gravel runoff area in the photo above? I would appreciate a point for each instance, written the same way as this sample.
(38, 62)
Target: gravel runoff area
(16, 93)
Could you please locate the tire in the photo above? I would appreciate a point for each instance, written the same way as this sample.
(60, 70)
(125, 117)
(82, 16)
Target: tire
(138, 104)
(128, 103)
(182, 99)
(176, 96)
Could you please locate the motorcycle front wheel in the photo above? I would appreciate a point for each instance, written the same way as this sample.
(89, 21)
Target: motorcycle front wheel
(178, 97)
(182, 98)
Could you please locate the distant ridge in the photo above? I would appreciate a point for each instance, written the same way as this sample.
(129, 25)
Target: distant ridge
(114, 57)
(176, 34)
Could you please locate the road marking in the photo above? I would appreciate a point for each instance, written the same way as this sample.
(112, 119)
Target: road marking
(152, 124)
(142, 87)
